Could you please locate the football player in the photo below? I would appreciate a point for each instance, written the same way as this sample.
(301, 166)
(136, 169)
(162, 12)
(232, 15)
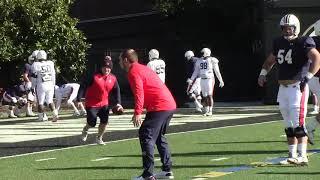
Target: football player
(157, 65)
(205, 68)
(193, 89)
(292, 53)
(45, 80)
(69, 91)
(314, 85)
(27, 77)
(15, 98)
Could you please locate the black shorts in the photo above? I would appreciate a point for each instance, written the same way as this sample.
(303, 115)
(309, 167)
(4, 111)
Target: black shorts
(94, 112)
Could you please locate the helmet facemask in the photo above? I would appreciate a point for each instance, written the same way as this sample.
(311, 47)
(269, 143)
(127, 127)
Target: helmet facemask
(290, 26)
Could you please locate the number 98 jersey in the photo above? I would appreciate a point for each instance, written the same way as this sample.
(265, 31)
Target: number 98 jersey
(291, 56)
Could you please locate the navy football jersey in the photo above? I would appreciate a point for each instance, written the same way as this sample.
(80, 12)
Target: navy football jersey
(27, 69)
(190, 65)
(15, 91)
(317, 41)
(291, 56)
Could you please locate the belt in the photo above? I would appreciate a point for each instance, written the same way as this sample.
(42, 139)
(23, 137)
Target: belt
(205, 78)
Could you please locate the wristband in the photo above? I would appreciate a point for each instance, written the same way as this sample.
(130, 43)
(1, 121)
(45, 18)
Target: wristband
(309, 75)
(263, 72)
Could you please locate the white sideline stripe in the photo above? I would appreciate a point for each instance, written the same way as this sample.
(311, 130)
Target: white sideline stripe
(199, 178)
(219, 159)
(283, 135)
(47, 159)
(101, 159)
(158, 159)
(200, 130)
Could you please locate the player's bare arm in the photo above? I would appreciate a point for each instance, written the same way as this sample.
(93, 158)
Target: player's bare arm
(314, 56)
(266, 67)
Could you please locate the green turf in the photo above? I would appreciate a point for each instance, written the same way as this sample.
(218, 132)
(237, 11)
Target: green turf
(192, 153)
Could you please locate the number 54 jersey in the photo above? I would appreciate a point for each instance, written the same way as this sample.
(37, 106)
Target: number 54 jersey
(291, 57)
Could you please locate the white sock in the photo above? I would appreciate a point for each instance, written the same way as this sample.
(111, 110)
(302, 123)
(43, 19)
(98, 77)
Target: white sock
(55, 112)
(302, 149)
(316, 108)
(198, 105)
(40, 116)
(293, 150)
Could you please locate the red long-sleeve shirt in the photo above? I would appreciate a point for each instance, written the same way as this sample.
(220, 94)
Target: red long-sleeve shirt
(148, 90)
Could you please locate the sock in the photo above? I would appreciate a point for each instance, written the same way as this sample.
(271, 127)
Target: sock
(55, 112)
(302, 149)
(293, 150)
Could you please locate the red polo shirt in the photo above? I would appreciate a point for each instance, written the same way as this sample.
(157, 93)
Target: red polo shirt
(148, 90)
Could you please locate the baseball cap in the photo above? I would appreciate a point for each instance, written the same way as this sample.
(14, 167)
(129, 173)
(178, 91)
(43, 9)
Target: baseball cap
(107, 62)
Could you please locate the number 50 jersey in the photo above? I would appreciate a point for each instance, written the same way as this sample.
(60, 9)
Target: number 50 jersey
(44, 72)
(291, 57)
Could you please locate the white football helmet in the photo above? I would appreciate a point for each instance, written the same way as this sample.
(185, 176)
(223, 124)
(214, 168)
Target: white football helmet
(189, 55)
(42, 55)
(293, 21)
(206, 52)
(153, 54)
(34, 54)
(317, 28)
(30, 59)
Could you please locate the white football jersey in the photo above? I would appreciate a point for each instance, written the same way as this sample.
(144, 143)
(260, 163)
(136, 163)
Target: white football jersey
(68, 90)
(44, 71)
(158, 66)
(204, 68)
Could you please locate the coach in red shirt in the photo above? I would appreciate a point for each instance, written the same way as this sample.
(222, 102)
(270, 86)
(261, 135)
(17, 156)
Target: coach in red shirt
(97, 90)
(150, 93)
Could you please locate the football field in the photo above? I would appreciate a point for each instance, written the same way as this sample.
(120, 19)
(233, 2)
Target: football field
(237, 142)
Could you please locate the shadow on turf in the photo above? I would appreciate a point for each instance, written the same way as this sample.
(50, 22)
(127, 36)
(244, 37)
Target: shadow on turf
(243, 142)
(290, 173)
(210, 153)
(138, 168)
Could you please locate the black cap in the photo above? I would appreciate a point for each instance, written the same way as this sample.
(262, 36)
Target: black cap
(107, 62)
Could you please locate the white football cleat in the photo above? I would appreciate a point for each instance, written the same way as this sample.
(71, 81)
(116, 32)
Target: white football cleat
(76, 114)
(84, 136)
(301, 161)
(314, 112)
(142, 178)
(99, 141)
(164, 175)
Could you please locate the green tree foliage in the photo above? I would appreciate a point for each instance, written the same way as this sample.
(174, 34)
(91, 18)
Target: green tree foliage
(27, 25)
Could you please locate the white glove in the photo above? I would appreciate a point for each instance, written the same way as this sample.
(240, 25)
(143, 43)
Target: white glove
(22, 100)
(28, 85)
(221, 84)
(189, 81)
(14, 100)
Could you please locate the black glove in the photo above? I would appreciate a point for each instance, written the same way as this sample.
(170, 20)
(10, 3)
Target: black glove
(303, 83)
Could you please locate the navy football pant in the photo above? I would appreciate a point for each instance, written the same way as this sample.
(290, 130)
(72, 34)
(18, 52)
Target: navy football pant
(152, 132)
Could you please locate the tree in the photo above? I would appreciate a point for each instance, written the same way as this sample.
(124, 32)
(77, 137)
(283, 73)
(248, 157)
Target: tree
(27, 25)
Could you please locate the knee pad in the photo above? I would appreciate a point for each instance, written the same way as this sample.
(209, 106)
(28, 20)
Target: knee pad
(289, 132)
(299, 132)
